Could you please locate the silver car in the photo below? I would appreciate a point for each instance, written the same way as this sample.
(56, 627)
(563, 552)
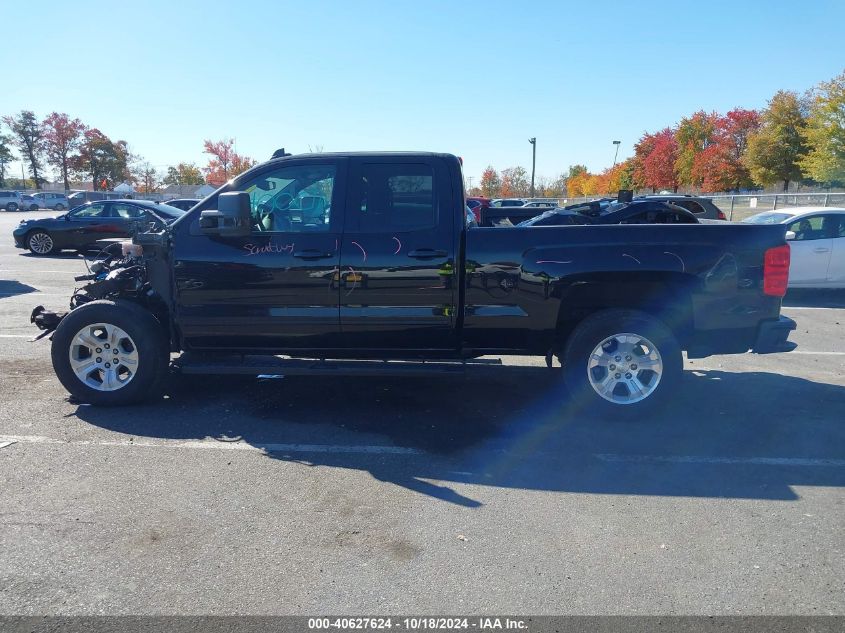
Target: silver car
(10, 200)
(51, 200)
(29, 203)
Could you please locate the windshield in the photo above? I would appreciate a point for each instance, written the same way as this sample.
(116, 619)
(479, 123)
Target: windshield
(769, 217)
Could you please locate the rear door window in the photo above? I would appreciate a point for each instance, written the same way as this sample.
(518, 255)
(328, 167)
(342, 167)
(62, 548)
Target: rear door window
(395, 197)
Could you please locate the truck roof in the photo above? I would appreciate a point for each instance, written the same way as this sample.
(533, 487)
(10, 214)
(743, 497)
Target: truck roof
(402, 154)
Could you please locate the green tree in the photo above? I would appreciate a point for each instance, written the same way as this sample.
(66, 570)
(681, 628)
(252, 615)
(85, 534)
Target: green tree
(576, 170)
(775, 150)
(27, 137)
(184, 174)
(5, 157)
(825, 133)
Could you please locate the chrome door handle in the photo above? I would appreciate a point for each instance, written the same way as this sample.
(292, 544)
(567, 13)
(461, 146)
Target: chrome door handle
(821, 250)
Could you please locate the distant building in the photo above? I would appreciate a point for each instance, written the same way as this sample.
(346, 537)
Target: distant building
(187, 191)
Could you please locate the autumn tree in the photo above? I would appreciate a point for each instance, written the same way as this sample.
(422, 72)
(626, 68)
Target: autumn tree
(184, 174)
(720, 166)
(5, 157)
(103, 161)
(491, 183)
(27, 136)
(514, 182)
(693, 136)
(62, 137)
(655, 157)
(824, 134)
(776, 149)
(225, 162)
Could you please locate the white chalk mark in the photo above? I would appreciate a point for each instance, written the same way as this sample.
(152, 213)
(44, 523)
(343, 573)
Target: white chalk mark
(678, 257)
(631, 257)
(399, 247)
(702, 459)
(553, 261)
(7, 443)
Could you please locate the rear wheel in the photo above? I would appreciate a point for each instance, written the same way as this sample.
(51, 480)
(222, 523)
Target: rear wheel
(12, 206)
(40, 243)
(59, 207)
(110, 353)
(621, 361)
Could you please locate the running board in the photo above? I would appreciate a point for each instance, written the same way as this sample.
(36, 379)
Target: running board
(278, 366)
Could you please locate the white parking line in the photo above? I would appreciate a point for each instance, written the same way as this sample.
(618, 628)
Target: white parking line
(219, 445)
(786, 308)
(211, 444)
(16, 335)
(699, 459)
(798, 351)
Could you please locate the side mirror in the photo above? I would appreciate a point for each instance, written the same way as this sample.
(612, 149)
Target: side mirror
(790, 235)
(232, 218)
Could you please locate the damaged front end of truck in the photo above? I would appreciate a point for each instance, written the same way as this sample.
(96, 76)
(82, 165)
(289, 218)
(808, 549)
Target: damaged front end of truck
(132, 270)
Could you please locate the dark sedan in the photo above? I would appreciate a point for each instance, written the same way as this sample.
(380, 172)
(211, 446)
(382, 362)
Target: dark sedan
(90, 226)
(609, 212)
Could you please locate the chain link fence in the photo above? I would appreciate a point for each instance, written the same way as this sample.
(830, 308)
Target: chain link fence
(739, 207)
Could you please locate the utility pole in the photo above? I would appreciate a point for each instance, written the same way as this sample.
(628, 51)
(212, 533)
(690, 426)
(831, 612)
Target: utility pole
(616, 154)
(533, 141)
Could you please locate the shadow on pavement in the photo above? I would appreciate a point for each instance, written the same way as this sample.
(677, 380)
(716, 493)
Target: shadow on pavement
(519, 430)
(812, 298)
(12, 288)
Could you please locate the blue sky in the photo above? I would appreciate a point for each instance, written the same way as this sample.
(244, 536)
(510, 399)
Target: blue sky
(473, 78)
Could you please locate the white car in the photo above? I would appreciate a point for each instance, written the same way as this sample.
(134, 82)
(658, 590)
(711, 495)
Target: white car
(816, 238)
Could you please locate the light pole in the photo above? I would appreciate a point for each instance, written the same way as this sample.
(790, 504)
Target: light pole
(616, 153)
(533, 141)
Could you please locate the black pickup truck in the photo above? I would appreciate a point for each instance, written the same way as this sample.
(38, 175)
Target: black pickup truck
(364, 262)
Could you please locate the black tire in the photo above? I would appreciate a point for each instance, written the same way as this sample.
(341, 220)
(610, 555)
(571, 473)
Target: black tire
(593, 331)
(33, 207)
(149, 341)
(12, 206)
(40, 243)
(59, 207)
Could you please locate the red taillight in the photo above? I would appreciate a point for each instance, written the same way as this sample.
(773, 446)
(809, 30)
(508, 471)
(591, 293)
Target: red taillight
(721, 215)
(776, 271)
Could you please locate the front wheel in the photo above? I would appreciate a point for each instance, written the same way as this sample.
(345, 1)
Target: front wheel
(12, 206)
(110, 353)
(621, 361)
(59, 207)
(40, 243)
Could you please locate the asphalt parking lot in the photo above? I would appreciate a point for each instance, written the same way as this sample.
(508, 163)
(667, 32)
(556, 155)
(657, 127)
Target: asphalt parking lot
(477, 495)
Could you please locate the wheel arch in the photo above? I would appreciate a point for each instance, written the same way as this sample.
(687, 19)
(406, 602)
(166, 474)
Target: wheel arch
(667, 297)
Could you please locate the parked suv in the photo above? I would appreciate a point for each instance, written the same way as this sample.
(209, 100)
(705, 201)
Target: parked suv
(78, 198)
(702, 208)
(51, 200)
(10, 200)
